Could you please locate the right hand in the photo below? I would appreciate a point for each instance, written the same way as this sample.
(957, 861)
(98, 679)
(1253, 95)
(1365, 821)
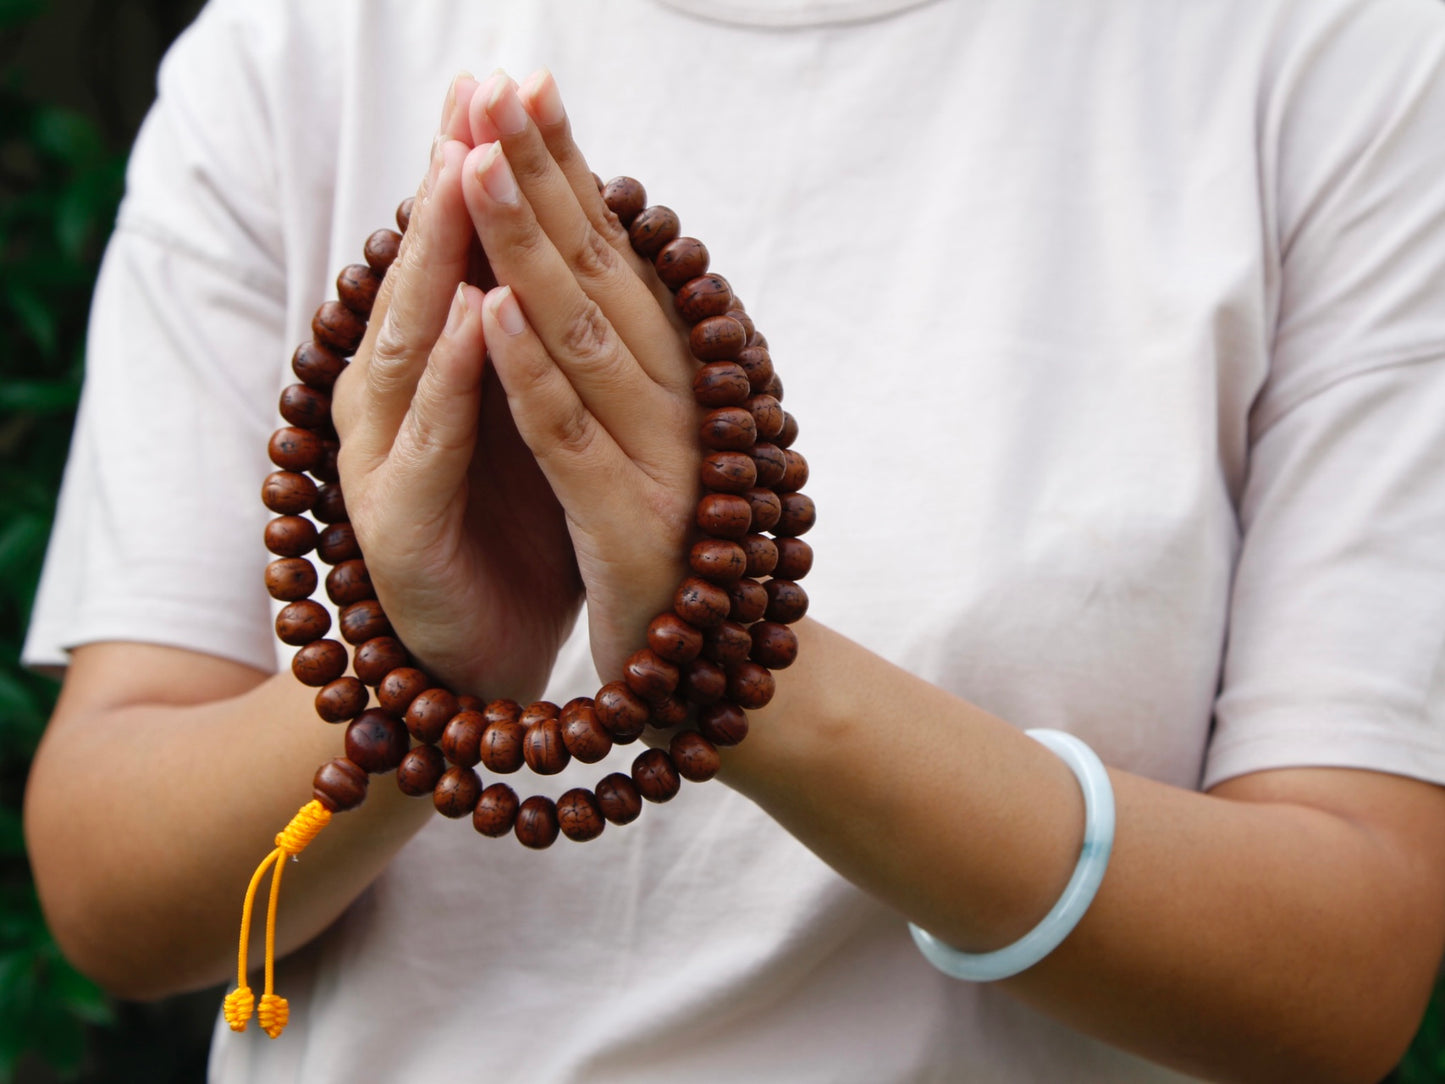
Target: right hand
(465, 543)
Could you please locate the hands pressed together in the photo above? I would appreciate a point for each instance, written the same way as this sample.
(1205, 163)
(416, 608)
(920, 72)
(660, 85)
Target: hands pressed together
(507, 449)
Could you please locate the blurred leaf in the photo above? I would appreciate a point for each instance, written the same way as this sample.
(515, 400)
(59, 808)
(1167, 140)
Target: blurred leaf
(39, 396)
(12, 839)
(35, 317)
(66, 135)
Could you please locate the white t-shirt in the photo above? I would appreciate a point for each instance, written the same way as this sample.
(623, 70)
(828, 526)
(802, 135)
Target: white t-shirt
(1115, 334)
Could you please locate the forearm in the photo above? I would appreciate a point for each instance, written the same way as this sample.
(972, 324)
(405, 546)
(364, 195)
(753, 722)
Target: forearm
(1235, 939)
(144, 826)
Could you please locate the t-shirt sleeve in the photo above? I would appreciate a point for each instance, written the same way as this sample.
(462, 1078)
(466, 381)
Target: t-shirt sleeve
(1336, 645)
(156, 535)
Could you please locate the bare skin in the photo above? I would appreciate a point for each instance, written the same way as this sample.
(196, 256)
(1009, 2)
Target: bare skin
(1286, 926)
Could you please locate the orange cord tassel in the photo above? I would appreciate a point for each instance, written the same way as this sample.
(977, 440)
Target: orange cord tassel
(241, 1002)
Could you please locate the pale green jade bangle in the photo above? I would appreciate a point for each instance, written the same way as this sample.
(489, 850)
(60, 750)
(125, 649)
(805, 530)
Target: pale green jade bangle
(1078, 893)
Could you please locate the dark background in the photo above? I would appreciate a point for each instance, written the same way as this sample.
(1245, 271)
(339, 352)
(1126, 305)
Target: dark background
(76, 77)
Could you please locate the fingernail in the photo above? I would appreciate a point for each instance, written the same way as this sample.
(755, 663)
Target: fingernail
(451, 101)
(434, 163)
(509, 313)
(545, 98)
(496, 175)
(458, 311)
(505, 108)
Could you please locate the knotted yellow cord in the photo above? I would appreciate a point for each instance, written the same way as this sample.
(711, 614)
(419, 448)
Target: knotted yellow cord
(241, 1002)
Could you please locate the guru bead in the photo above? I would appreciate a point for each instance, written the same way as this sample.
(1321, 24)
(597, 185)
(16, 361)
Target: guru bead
(339, 784)
(456, 792)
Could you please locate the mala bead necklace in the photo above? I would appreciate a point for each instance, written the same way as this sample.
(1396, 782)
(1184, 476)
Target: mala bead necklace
(707, 661)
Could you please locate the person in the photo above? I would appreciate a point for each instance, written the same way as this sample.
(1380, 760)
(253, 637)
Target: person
(1113, 335)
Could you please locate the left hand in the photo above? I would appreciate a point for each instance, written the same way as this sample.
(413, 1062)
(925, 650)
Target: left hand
(597, 372)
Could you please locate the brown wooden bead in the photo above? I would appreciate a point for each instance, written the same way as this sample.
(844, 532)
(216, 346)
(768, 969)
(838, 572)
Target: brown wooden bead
(337, 327)
(723, 723)
(419, 770)
(400, 687)
(757, 338)
(729, 428)
(774, 387)
(717, 338)
(319, 663)
(799, 515)
(717, 560)
(339, 784)
(649, 675)
(703, 604)
(618, 798)
(543, 748)
(720, 383)
(771, 462)
(787, 602)
(456, 792)
(667, 712)
(403, 213)
(728, 472)
(748, 600)
(376, 658)
(795, 558)
(625, 198)
(673, 638)
(288, 492)
(502, 710)
(703, 681)
(330, 505)
(349, 582)
(795, 473)
(427, 715)
(703, 297)
(760, 554)
(290, 578)
(362, 621)
(774, 645)
(583, 733)
(337, 543)
(308, 407)
(295, 449)
(727, 644)
(380, 249)
(767, 415)
(536, 825)
(724, 515)
(536, 712)
(501, 746)
(579, 815)
(621, 711)
(738, 314)
(757, 364)
(375, 742)
(750, 685)
(655, 776)
(467, 702)
(302, 621)
(345, 698)
(325, 469)
(790, 431)
(680, 260)
(694, 756)
(496, 811)
(653, 229)
(461, 740)
(317, 366)
(357, 286)
(766, 508)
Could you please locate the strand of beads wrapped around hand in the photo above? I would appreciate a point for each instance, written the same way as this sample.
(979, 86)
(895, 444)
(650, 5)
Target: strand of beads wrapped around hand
(706, 662)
